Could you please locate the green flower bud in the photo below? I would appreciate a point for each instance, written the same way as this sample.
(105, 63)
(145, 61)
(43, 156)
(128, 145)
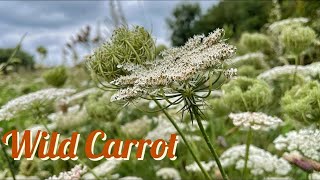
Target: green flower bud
(125, 46)
(56, 76)
(253, 42)
(246, 94)
(302, 103)
(295, 39)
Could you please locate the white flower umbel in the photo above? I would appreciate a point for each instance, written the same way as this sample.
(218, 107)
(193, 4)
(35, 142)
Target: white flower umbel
(313, 69)
(260, 161)
(239, 60)
(130, 178)
(275, 72)
(22, 103)
(314, 176)
(195, 168)
(276, 27)
(199, 55)
(103, 169)
(255, 120)
(80, 95)
(163, 130)
(74, 174)
(137, 128)
(168, 174)
(306, 141)
(74, 116)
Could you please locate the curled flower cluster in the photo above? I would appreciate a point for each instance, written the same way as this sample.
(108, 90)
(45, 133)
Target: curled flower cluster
(168, 173)
(74, 174)
(255, 120)
(24, 102)
(178, 65)
(259, 162)
(125, 46)
(306, 141)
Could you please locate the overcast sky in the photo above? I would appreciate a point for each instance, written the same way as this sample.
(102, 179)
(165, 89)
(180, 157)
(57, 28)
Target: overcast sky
(52, 23)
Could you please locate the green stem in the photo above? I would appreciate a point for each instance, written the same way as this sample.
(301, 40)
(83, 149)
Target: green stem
(2, 146)
(45, 125)
(184, 139)
(209, 144)
(296, 59)
(245, 170)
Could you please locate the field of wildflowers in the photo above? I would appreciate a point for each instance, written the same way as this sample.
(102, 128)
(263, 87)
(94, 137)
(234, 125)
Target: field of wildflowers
(245, 109)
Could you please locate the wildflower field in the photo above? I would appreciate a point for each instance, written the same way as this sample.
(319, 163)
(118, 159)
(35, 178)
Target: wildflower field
(244, 101)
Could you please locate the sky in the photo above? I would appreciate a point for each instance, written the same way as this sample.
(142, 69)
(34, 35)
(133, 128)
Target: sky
(52, 23)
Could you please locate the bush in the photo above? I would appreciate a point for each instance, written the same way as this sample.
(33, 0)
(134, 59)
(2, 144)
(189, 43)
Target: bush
(246, 94)
(302, 103)
(56, 76)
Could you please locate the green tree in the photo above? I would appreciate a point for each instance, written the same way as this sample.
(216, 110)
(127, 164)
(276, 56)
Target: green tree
(25, 59)
(182, 21)
(249, 15)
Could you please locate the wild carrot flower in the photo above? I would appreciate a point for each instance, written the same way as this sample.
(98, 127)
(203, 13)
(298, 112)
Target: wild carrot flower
(255, 120)
(168, 173)
(206, 165)
(306, 141)
(102, 169)
(260, 161)
(74, 174)
(26, 102)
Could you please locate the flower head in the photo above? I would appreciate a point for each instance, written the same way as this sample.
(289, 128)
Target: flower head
(259, 162)
(25, 102)
(306, 141)
(168, 173)
(255, 120)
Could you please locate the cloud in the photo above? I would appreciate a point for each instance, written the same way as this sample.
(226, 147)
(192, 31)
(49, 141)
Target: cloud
(52, 23)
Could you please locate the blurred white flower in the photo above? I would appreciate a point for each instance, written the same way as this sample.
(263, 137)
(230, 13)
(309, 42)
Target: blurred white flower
(168, 174)
(74, 174)
(255, 120)
(137, 128)
(74, 116)
(277, 71)
(80, 95)
(195, 168)
(25, 102)
(259, 162)
(314, 176)
(276, 27)
(102, 169)
(163, 130)
(258, 56)
(305, 141)
(130, 178)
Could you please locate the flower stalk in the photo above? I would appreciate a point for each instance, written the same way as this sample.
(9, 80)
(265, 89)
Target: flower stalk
(184, 139)
(208, 142)
(248, 142)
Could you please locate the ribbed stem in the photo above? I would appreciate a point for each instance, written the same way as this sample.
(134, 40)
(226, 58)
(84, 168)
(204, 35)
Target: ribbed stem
(209, 144)
(184, 139)
(249, 137)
